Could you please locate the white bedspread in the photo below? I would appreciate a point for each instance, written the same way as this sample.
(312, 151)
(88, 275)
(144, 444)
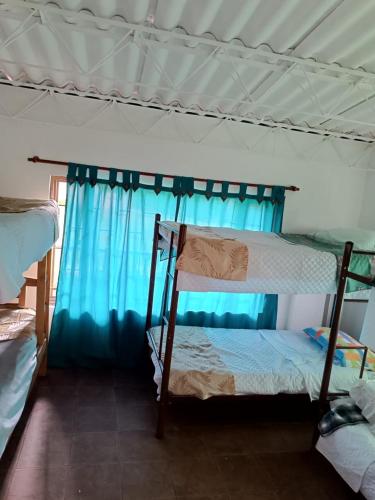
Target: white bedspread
(351, 450)
(17, 365)
(264, 362)
(275, 266)
(24, 238)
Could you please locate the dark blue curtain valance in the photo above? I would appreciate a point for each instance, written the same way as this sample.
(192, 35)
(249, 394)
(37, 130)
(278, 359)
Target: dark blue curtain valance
(181, 186)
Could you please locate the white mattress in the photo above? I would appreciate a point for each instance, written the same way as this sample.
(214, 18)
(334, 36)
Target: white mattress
(275, 266)
(266, 362)
(25, 238)
(351, 450)
(17, 365)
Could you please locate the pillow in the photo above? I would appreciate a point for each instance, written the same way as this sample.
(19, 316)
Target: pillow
(351, 358)
(363, 239)
(363, 394)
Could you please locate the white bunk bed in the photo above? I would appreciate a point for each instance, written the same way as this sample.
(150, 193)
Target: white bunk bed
(29, 229)
(351, 451)
(206, 362)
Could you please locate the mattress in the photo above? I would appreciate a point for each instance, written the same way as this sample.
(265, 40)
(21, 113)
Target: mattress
(28, 236)
(351, 451)
(17, 365)
(212, 361)
(274, 266)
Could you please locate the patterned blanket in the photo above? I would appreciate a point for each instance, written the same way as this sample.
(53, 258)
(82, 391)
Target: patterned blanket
(196, 369)
(218, 253)
(346, 413)
(16, 323)
(19, 205)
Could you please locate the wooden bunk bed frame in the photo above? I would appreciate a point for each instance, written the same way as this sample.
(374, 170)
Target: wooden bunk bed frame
(178, 239)
(42, 285)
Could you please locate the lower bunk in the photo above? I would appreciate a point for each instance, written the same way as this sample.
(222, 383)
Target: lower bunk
(209, 362)
(20, 360)
(351, 451)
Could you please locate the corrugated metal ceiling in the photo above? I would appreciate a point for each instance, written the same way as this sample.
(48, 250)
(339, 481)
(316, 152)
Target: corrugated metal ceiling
(293, 63)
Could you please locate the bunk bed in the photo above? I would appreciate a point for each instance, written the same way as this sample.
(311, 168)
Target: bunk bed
(29, 228)
(208, 363)
(350, 448)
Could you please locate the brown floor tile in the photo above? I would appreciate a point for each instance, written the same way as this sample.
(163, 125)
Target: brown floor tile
(185, 443)
(11, 453)
(222, 496)
(132, 378)
(224, 440)
(34, 484)
(95, 377)
(93, 482)
(147, 480)
(94, 448)
(141, 445)
(265, 438)
(245, 474)
(96, 395)
(58, 396)
(197, 476)
(259, 495)
(95, 419)
(44, 449)
(136, 417)
(297, 436)
(133, 395)
(59, 376)
(5, 479)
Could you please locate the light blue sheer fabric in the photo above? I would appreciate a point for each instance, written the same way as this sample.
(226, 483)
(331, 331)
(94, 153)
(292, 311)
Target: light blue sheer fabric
(104, 275)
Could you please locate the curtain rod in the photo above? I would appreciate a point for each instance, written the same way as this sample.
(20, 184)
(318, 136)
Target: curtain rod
(36, 159)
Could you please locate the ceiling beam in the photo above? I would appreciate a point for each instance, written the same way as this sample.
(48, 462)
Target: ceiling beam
(177, 108)
(164, 37)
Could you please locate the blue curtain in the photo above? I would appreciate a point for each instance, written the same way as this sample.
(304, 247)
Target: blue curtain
(103, 284)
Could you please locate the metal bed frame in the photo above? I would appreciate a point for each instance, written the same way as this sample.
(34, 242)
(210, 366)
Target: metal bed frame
(178, 239)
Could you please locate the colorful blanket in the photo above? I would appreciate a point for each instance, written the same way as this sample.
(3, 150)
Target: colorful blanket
(360, 264)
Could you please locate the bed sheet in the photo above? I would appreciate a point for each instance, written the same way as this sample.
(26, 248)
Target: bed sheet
(28, 236)
(261, 362)
(275, 266)
(17, 365)
(351, 451)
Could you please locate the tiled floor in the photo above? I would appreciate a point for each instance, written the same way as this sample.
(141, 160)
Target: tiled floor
(91, 435)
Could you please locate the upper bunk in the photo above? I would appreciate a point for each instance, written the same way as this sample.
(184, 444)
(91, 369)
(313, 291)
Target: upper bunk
(229, 260)
(29, 229)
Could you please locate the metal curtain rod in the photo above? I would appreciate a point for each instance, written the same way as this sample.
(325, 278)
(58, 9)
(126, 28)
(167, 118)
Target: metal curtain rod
(36, 159)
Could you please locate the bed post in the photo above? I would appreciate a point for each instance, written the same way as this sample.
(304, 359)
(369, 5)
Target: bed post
(335, 325)
(152, 275)
(169, 342)
(40, 315)
(43, 366)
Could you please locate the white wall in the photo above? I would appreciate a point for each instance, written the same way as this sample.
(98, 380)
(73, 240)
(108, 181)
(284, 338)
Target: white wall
(330, 195)
(367, 216)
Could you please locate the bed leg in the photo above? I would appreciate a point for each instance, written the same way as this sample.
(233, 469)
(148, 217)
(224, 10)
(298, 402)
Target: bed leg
(43, 367)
